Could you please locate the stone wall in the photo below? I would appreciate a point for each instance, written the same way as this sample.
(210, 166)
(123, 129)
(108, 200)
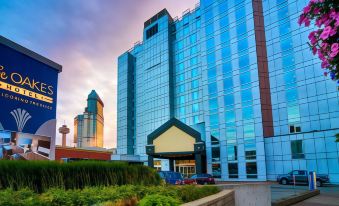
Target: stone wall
(223, 198)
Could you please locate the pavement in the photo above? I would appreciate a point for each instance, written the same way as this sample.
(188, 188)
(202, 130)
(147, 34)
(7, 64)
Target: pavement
(329, 194)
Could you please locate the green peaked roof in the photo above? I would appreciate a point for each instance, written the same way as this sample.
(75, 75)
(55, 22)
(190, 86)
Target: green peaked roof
(94, 95)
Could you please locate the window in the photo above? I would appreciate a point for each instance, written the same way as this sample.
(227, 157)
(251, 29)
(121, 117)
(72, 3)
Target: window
(210, 44)
(292, 95)
(225, 52)
(212, 88)
(210, 59)
(215, 153)
(181, 88)
(194, 72)
(209, 29)
(250, 150)
(212, 73)
(233, 170)
(249, 131)
(180, 67)
(195, 107)
(242, 28)
(214, 120)
(213, 104)
(229, 100)
(247, 113)
(223, 7)
(195, 95)
(181, 111)
(286, 44)
(209, 15)
(216, 170)
(240, 13)
(180, 45)
(181, 99)
(196, 119)
(180, 77)
(193, 50)
(225, 37)
(246, 95)
(242, 44)
(245, 78)
(251, 170)
(151, 31)
(193, 38)
(297, 149)
(228, 85)
(194, 61)
(295, 129)
(180, 56)
(197, 23)
(230, 133)
(232, 153)
(224, 22)
(244, 61)
(195, 84)
(293, 113)
(288, 61)
(227, 68)
(230, 117)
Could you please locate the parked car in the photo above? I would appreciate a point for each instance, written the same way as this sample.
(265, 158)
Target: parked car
(301, 176)
(173, 178)
(202, 179)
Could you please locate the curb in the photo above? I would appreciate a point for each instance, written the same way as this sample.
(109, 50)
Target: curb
(295, 199)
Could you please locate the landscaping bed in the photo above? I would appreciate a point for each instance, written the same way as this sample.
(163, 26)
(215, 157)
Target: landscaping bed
(108, 196)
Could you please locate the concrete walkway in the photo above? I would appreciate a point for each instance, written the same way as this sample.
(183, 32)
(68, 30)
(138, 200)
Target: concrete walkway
(329, 196)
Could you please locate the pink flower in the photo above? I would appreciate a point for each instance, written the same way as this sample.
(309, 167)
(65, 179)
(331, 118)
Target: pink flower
(321, 55)
(333, 31)
(301, 19)
(316, 11)
(326, 32)
(314, 50)
(318, 22)
(334, 50)
(307, 9)
(307, 22)
(324, 64)
(312, 38)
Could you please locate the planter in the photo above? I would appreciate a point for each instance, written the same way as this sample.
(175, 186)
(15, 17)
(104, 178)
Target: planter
(224, 198)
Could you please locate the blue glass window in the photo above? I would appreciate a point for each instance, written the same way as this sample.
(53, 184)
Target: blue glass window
(247, 112)
(230, 133)
(244, 61)
(181, 111)
(290, 78)
(211, 59)
(224, 22)
(243, 44)
(226, 52)
(194, 61)
(291, 95)
(242, 29)
(245, 78)
(209, 15)
(286, 44)
(283, 13)
(180, 56)
(193, 38)
(214, 119)
(186, 30)
(246, 95)
(229, 99)
(293, 113)
(229, 117)
(212, 73)
(225, 37)
(212, 88)
(228, 84)
(249, 131)
(198, 23)
(232, 154)
(210, 44)
(180, 67)
(195, 95)
(285, 28)
(223, 7)
(227, 68)
(213, 104)
(195, 84)
(193, 50)
(288, 61)
(195, 107)
(180, 77)
(209, 29)
(196, 119)
(181, 88)
(180, 45)
(181, 99)
(194, 72)
(240, 13)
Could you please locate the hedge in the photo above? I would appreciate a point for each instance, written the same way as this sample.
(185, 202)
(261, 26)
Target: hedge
(42, 175)
(107, 196)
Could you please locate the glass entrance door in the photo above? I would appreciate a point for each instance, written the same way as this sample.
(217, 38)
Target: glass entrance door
(185, 167)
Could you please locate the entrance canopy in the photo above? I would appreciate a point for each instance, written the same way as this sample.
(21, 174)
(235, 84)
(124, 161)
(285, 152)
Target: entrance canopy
(175, 140)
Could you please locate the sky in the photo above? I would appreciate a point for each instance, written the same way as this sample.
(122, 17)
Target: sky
(85, 37)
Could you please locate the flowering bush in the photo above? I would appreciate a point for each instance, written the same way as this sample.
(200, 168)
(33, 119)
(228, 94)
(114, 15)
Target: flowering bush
(324, 41)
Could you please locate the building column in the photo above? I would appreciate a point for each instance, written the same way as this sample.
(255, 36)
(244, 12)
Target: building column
(150, 161)
(198, 163)
(171, 164)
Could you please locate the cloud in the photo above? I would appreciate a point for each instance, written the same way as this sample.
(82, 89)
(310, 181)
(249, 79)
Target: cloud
(86, 37)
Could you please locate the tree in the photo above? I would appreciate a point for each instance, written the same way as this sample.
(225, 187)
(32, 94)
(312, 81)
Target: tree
(324, 41)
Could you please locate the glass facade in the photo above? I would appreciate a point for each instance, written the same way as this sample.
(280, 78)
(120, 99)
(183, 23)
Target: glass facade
(212, 67)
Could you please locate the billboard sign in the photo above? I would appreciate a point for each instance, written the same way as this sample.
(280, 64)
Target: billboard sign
(28, 91)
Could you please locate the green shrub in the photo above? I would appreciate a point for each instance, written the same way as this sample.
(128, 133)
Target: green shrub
(42, 175)
(158, 200)
(107, 196)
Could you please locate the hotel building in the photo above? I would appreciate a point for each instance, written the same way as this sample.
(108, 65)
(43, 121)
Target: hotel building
(231, 88)
(89, 126)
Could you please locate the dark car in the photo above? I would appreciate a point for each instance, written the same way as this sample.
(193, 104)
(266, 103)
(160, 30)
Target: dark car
(202, 179)
(301, 177)
(173, 178)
